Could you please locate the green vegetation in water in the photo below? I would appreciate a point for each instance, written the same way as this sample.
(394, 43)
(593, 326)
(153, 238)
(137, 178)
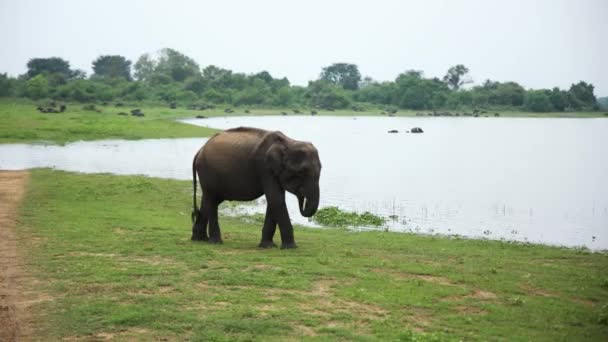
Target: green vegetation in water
(335, 217)
(112, 256)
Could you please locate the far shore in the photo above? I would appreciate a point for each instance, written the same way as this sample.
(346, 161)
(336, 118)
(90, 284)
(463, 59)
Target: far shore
(24, 123)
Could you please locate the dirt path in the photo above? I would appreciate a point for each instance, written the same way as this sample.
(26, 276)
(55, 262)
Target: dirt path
(13, 307)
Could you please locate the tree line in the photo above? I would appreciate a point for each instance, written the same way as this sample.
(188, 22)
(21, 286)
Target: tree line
(172, 77)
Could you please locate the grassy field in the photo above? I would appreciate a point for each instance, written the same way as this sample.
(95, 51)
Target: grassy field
(22, 123)
(113, 260)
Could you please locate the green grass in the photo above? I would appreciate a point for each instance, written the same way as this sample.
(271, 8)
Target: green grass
(334, 216)
(112, 258)
(512, 114)
(22, 123)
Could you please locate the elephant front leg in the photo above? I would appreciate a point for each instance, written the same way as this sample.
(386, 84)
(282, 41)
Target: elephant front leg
(275, 196)
(281, 215)
(270, 227)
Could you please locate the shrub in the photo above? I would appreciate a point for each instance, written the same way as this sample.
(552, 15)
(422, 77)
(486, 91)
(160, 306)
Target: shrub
(37, 87)
(333, 216)
(537, 101)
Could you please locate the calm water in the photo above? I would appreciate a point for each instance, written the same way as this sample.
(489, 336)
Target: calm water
(537, 180)
(164, 158)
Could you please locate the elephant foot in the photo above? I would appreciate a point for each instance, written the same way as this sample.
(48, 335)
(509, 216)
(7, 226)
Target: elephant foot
(199, 237)
(215, 240)
(267, 244)
(199, 233)
(289, 245)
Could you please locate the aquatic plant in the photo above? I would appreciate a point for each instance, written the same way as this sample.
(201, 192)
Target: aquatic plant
(334, 216)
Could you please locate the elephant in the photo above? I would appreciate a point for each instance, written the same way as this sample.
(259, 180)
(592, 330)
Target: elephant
(242, 164)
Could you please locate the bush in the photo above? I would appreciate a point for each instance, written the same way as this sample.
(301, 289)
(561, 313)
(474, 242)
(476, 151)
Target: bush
(216, 96)
(333, 216)
(251, 96)
(537, 101)
(325, 95)
(37, 87)
(5, 85)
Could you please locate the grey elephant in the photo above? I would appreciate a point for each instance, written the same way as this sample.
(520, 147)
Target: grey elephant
(242, 164)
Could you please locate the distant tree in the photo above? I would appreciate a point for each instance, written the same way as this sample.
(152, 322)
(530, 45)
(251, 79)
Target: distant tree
(366, 82)
(603, 102)
(264, 76)
(213, 73)
(297, 95)
(195, 84)
(559, 99)
(159, 79)
(377, 93)
(538, 101)
(5, 85)
(326, 95)
(238, 81)
(216, 96)
(284, 97)
(135, 91)
(257, 93)
(170, 64)
(460, 98)
(37, 87)
(52, 65)
(415, 92)
(112, 66)
(457, 76)
(144, 67)
(343, 74)
(480, 98)
(176, 65)
(507, 94)
(489, 85)
(167, 92)
(278, 83)
(78, 74)
(581, 95)
(56, 79)
(85, 91)
(272, 82)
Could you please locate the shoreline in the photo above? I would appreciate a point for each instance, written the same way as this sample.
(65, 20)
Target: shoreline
(23, 123)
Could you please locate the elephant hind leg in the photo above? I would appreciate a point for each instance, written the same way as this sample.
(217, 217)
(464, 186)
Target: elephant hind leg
(211, 204)
(199, 228)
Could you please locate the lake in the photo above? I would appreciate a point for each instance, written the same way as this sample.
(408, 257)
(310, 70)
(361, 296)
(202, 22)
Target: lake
(535, 180)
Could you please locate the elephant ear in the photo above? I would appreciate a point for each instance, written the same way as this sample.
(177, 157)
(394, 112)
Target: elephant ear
(275, 157)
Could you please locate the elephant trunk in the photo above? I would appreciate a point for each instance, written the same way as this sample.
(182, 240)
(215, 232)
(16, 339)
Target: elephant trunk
(309, 201)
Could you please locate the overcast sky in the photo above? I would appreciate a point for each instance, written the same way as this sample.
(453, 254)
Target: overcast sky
(539, 44)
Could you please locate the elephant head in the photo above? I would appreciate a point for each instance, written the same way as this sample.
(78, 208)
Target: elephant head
(297, 168)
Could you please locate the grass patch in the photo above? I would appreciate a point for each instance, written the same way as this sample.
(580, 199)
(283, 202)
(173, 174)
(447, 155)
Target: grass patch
(22, 123)
(112, 259)
(335, 217)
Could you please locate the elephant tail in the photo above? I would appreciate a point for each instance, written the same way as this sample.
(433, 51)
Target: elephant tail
(195, 210)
